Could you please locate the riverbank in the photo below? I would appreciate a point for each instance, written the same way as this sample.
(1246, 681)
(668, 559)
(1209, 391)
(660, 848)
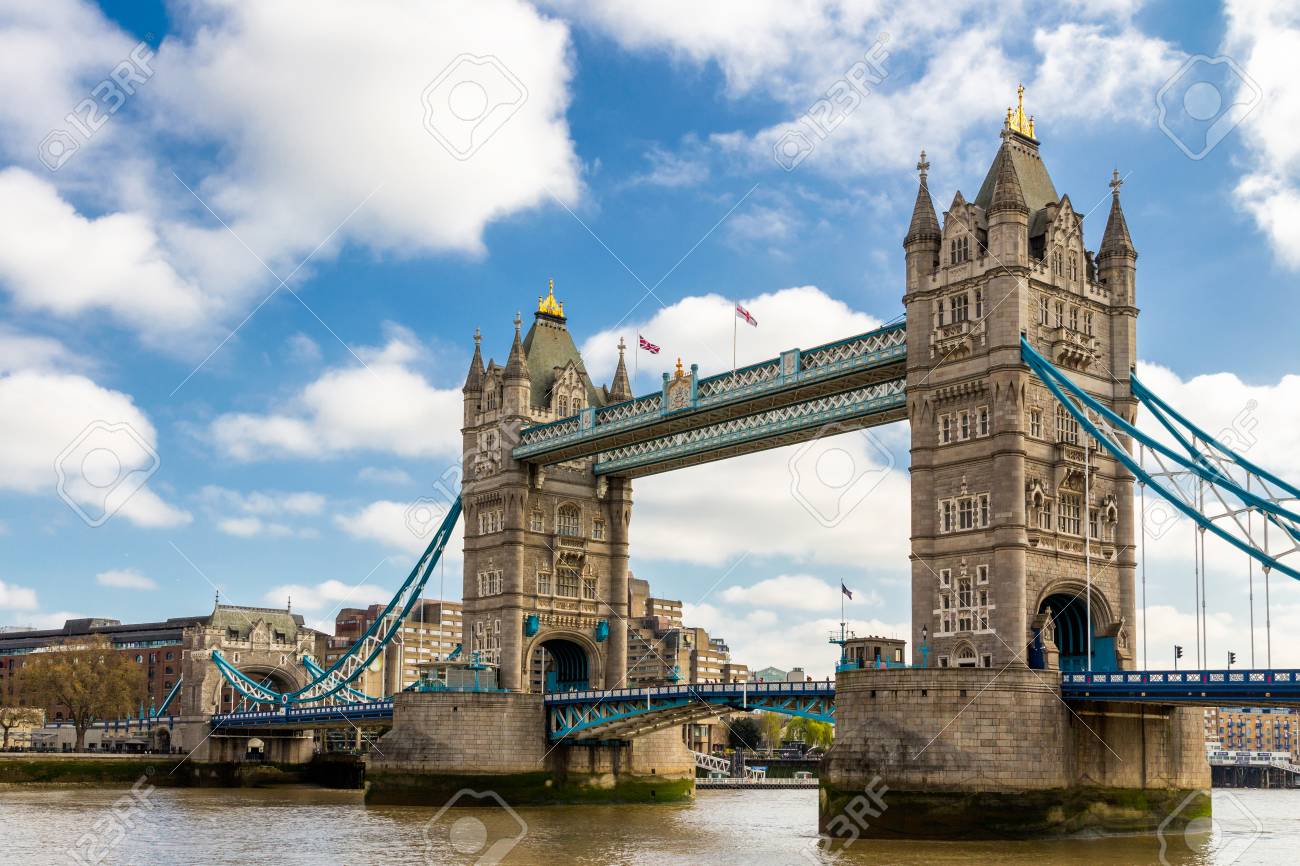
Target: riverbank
(91, 770)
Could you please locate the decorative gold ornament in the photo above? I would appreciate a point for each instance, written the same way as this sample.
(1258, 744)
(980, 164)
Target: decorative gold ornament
(1017, 121)
(549, 305)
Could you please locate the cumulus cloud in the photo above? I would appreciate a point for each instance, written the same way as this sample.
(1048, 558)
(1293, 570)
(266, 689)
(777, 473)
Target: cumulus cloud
(57, 261)
(795, 592)
(20, 351)
(381, 405)
(699, 328)
(328, 593)
(294, 171)
(105, 446)
(402, 526)
(1265, 38)
(796, 59)
(13, 597)
(127, 578)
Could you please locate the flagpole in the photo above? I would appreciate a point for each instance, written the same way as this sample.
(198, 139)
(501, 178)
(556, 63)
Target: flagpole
(734, 315)
(636, 363)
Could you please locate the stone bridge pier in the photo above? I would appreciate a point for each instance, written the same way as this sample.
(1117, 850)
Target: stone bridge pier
(987, 753)
(443, 742)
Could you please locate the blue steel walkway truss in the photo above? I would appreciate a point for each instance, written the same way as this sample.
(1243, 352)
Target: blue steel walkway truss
(625, 713)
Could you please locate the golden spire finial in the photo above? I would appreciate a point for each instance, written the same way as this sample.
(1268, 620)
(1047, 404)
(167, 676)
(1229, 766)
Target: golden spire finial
(549, 305)
(1017, 121)
(680, 373)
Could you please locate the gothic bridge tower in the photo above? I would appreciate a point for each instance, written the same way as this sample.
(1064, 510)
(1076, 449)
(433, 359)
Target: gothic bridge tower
(546, 548)
(1014, 511)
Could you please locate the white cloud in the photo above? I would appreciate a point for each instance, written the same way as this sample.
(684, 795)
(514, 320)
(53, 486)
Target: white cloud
(1265, 39)
(56, 261)
(758, 641)
(404, 526)
(795, 592)
(127, 578)
(248, 527)
(382, 406)
(668, 169)
(328, 593)
(303, 349)
(293, 170)
(299, 159)
(1084, 61)
(264, 502)
(13, 597)
(47, 413)
(699, 328)
(19, 351)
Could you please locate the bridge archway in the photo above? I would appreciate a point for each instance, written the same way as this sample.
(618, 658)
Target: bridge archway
(228, 700)
(1069, 611)
(562, 662)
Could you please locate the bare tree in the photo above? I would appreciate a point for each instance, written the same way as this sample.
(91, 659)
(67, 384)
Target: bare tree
(17, 717)
(88, 678)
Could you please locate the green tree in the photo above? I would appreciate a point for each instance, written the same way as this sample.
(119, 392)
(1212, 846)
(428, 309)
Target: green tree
(815, 734)
(88, 678)
(744, 733)
(17, 717)
(773, 724)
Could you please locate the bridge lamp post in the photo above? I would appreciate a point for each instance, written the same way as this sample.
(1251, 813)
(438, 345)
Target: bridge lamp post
(925, 647)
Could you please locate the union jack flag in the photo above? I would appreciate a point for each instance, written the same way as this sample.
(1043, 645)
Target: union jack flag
(647, 345)
(742, 313)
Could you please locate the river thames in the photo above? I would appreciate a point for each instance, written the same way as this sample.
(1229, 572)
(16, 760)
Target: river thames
(197, 827)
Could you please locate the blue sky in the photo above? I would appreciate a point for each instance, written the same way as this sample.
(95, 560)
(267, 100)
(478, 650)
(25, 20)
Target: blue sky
(291, 435)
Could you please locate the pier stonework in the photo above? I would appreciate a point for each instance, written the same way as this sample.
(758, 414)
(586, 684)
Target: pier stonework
(443, 742)
(990, 753)
(1016, 514)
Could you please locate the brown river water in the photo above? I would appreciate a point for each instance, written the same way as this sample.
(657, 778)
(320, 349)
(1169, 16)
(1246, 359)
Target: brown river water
(189, 827)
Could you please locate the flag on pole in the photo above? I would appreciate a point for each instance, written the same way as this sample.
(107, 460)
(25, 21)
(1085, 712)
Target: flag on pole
(647, 345)
(844, 589)
(742, 313)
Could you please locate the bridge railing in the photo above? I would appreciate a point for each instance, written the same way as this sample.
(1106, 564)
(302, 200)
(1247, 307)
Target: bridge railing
(306, 713)
(814, 687)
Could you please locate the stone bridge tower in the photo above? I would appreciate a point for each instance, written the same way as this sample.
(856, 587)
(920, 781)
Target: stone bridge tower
(546, 548)
(1001, 507)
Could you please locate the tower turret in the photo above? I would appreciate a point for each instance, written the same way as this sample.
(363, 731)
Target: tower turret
(923, 235)
(473, 389)
(1008, 215)
(620, 389)
(516, 388)
(1117, 257)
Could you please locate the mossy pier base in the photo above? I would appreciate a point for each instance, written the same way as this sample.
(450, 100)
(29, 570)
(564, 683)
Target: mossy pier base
(446, 742)
(979, 753)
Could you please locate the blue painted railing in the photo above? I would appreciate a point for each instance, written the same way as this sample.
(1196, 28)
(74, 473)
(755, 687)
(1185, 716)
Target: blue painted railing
(1201, 688)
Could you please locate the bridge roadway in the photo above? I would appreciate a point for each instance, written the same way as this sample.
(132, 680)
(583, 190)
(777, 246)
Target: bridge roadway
(852, 383)
(627, 713)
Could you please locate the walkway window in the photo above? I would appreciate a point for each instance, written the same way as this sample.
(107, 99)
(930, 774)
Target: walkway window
(567, 582)
(1068, 513)
(568, 520)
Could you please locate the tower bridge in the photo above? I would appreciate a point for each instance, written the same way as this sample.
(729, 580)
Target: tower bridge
(1014, 371)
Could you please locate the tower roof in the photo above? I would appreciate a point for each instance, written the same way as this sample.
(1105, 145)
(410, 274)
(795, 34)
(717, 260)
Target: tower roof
(1116, 238)
(517, 363)
(1006, 194)
(548, 345)
(925, 223)
(1036, 187)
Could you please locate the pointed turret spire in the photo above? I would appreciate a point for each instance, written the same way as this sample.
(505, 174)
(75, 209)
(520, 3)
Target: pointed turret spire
(925, 223)
(517, 364)
(474, 381)
(1007, 194)
(621, 389)
(1116, 238)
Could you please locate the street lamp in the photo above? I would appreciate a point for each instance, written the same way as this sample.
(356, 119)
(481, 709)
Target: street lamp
(925, 647)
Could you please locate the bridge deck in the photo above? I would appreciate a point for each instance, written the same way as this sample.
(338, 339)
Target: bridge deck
(857, 381)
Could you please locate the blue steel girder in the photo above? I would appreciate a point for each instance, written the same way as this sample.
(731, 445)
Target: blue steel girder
(1211, 688)
(796, 376)
(628, 713)
(832, 414)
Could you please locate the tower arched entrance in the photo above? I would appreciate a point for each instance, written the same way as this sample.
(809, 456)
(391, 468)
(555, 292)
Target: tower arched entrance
(561, 665)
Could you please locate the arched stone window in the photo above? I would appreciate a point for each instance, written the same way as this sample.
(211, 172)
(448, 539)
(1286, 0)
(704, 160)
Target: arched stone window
(568, 520)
